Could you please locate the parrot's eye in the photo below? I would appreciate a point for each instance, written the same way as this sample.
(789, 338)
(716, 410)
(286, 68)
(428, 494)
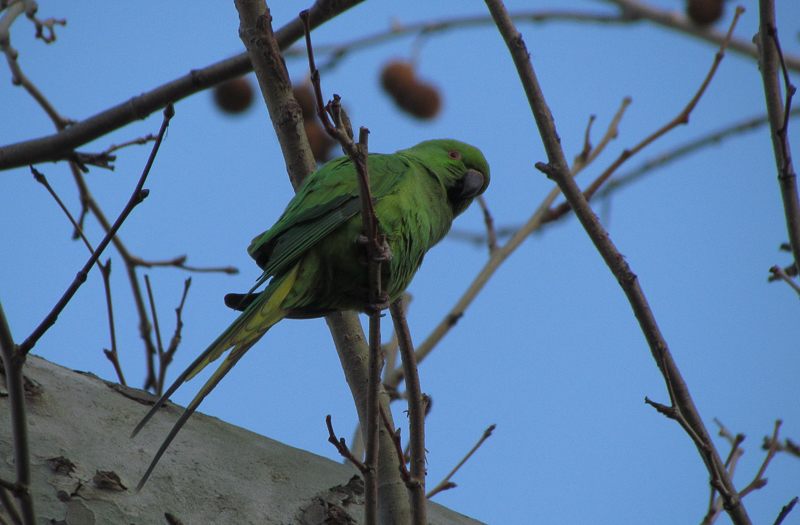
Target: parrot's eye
(455, 155)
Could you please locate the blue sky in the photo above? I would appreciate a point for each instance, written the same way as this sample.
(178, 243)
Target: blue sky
(549, 351)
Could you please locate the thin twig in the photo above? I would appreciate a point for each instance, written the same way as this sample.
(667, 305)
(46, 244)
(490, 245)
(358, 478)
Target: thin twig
(581, 157)
(89, 204)
(180, 262)
(105, 270)
(41, 179)
(446, 484)
(341, 447)
(390, 349)
(790, 447)
(630, 12)
(141, 141)
(416, 415)
(58, 146)
(715, 503)
(154, 315)
(780, 273)
(112, 355)
(166, 357)
(759, 481)
(676, 20)
(491, 236)
(398, 446)
(646, 167)
(785, 511)
(18, 78)
(671, 155)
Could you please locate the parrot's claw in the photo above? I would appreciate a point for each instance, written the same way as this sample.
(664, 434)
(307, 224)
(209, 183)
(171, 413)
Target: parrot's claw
(383, 252)
(378, 306)
(385, 255)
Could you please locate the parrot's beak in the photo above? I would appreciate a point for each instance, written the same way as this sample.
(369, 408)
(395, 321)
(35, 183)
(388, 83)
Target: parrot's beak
(471, 185)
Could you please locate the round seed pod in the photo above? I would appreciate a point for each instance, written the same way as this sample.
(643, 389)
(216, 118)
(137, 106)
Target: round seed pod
(417, 98)
(234, 96)
(397, 77)
(305, 97)
(704, 12)
(421, 100)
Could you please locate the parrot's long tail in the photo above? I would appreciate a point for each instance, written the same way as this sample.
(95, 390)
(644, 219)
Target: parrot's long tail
(260, 316)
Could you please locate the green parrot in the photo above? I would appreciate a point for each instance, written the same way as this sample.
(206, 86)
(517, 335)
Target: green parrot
(314, 256)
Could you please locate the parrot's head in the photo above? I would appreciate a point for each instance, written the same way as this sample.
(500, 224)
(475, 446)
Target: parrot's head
(461, 168)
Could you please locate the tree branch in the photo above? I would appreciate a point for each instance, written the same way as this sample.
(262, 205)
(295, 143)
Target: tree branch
(13, 361)
(345, 327)
(416, 415)
(679, 22)
(771, 59)
(557, 170)
(138, 196)
(59, 146)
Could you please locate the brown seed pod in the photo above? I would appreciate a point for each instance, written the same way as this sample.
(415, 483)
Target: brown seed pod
(422, 101)
(321, 144)
(305, 97)
(397, 77)
(234, 96)
(704, 12)
(419, 99)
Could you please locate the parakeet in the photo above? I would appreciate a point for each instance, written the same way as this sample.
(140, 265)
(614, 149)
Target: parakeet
(313, 255)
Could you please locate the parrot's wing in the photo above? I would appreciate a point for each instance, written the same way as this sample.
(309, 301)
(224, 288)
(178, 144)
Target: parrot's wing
(325, 201)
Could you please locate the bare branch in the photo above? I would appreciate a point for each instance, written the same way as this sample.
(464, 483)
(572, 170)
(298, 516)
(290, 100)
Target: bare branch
(13, 361)
(770, 60)
(446, 484)
(105, 270)
(759, 481)
(59, 146)
(785, 511)
(138, 196)
(497, 257)
(416, 415)
(341, 447)
(780, 273)
(681, 118)
(154, 315)
(679, 22)
(630, 12)
(669, 156)
(557, 170)
(377, 253)
(491, 236)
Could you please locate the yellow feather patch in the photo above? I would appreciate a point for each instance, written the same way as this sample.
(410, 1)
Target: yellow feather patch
(247, 333)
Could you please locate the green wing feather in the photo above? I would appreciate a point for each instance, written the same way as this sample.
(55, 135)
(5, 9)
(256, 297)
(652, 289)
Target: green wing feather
(325, 201)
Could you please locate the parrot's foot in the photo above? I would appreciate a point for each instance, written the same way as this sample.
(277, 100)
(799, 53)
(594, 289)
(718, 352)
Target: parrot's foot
(383, 253)
(378, 306)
